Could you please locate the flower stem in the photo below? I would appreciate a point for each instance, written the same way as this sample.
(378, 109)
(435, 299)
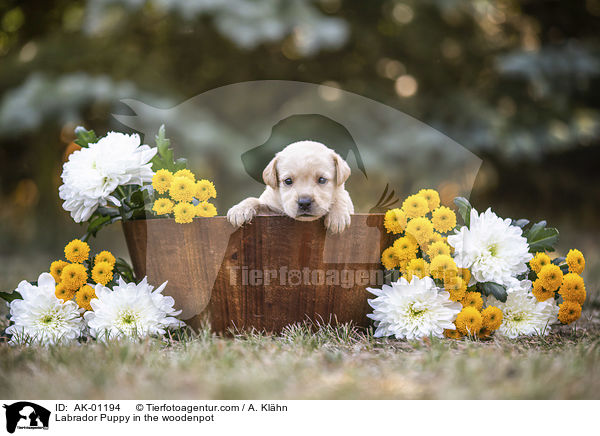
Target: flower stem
(121, 193)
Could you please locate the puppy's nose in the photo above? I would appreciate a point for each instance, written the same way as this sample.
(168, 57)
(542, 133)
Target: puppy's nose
(304, 203)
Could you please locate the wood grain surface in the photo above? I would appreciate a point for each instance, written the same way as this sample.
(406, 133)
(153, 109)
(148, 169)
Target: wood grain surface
(270, 273)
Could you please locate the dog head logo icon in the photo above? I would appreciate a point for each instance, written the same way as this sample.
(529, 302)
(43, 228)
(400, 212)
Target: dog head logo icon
(24, 414)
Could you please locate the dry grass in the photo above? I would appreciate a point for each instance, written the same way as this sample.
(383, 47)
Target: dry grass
(338, 362)
(330, 363)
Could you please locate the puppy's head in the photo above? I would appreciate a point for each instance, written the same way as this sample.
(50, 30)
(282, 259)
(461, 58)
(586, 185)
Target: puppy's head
(306, 175)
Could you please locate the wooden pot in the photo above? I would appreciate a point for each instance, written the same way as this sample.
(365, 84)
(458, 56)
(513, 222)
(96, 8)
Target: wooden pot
(270, 273)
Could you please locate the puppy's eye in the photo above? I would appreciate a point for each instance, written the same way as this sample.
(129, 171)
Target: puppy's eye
(322, 180)
(288, 181)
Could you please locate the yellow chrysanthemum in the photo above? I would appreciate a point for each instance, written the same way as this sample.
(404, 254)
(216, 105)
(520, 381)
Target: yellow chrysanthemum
(575, 261)
(443, 219)
(84, 296)
(551, 277)
(105, 256)
(437, 249)
(415, 206)
(539, 261)
(205, 209)
(427, 242)
(187, 174)
(492, 318)
(540, 293)
(465, 274)
(484, 333)
(56, 269)
(77, 251)
(163, 206)
(395, 221)
(205, 189)
(573, 288)
(573, 281)
(469, 321)
(457, 295)
(445, 239)
(402, 265)
(389, 259)
(161, 181)
(62, 293)
(442, 265)
(182, 189)
(472, 299)
(436, 237)
(102, 273)
(569, 311)
(406, 243)
(420, 228)
(417, 267)
(184, 213)
(456, 287)
(453, 334)
(73, 276)
(405, 248)
(431, 196)
(404, 256)
(577, 296)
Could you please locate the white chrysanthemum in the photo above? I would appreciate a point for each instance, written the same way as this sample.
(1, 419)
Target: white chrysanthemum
(131, 311)
(92, 174)
(412, 310)
(40, 317)
(492, 248)
(522, 314)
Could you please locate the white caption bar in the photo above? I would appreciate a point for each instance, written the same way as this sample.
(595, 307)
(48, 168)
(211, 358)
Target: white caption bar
(250, 417)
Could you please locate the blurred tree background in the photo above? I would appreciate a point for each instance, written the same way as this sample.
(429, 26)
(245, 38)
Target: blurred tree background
(515, 82)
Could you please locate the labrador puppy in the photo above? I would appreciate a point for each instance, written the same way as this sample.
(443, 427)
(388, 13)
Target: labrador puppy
(305, 181)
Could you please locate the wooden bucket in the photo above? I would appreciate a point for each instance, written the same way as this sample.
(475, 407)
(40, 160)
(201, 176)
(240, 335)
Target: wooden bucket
(270, 273)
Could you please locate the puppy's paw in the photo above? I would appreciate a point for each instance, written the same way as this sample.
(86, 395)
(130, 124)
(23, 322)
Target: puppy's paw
(241, 213)
(337, 222)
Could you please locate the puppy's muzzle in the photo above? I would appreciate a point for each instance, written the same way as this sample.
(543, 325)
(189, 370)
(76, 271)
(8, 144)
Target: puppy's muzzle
(304, 205)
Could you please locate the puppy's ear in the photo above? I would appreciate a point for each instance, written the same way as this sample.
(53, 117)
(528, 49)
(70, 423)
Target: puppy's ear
(270, 174)
(342, 169)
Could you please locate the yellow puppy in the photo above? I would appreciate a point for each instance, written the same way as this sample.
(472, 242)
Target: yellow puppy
(305, 181)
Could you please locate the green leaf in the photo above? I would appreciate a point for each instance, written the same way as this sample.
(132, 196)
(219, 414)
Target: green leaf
(535, 229)
(162, 142)
(464, 209)
(164, 157)
(137, 199)
(491, 288)
(10, 296)
(180, 164)
(124, 270)
(85, 137)
(98, 223)
(558, 260)
(520, 223)
(541, 238)
(107, 211)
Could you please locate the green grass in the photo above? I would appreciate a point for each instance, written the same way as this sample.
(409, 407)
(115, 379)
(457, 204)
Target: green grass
(328, 363)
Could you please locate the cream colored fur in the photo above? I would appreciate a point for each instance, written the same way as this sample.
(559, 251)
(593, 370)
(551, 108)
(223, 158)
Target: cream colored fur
(304, 163)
